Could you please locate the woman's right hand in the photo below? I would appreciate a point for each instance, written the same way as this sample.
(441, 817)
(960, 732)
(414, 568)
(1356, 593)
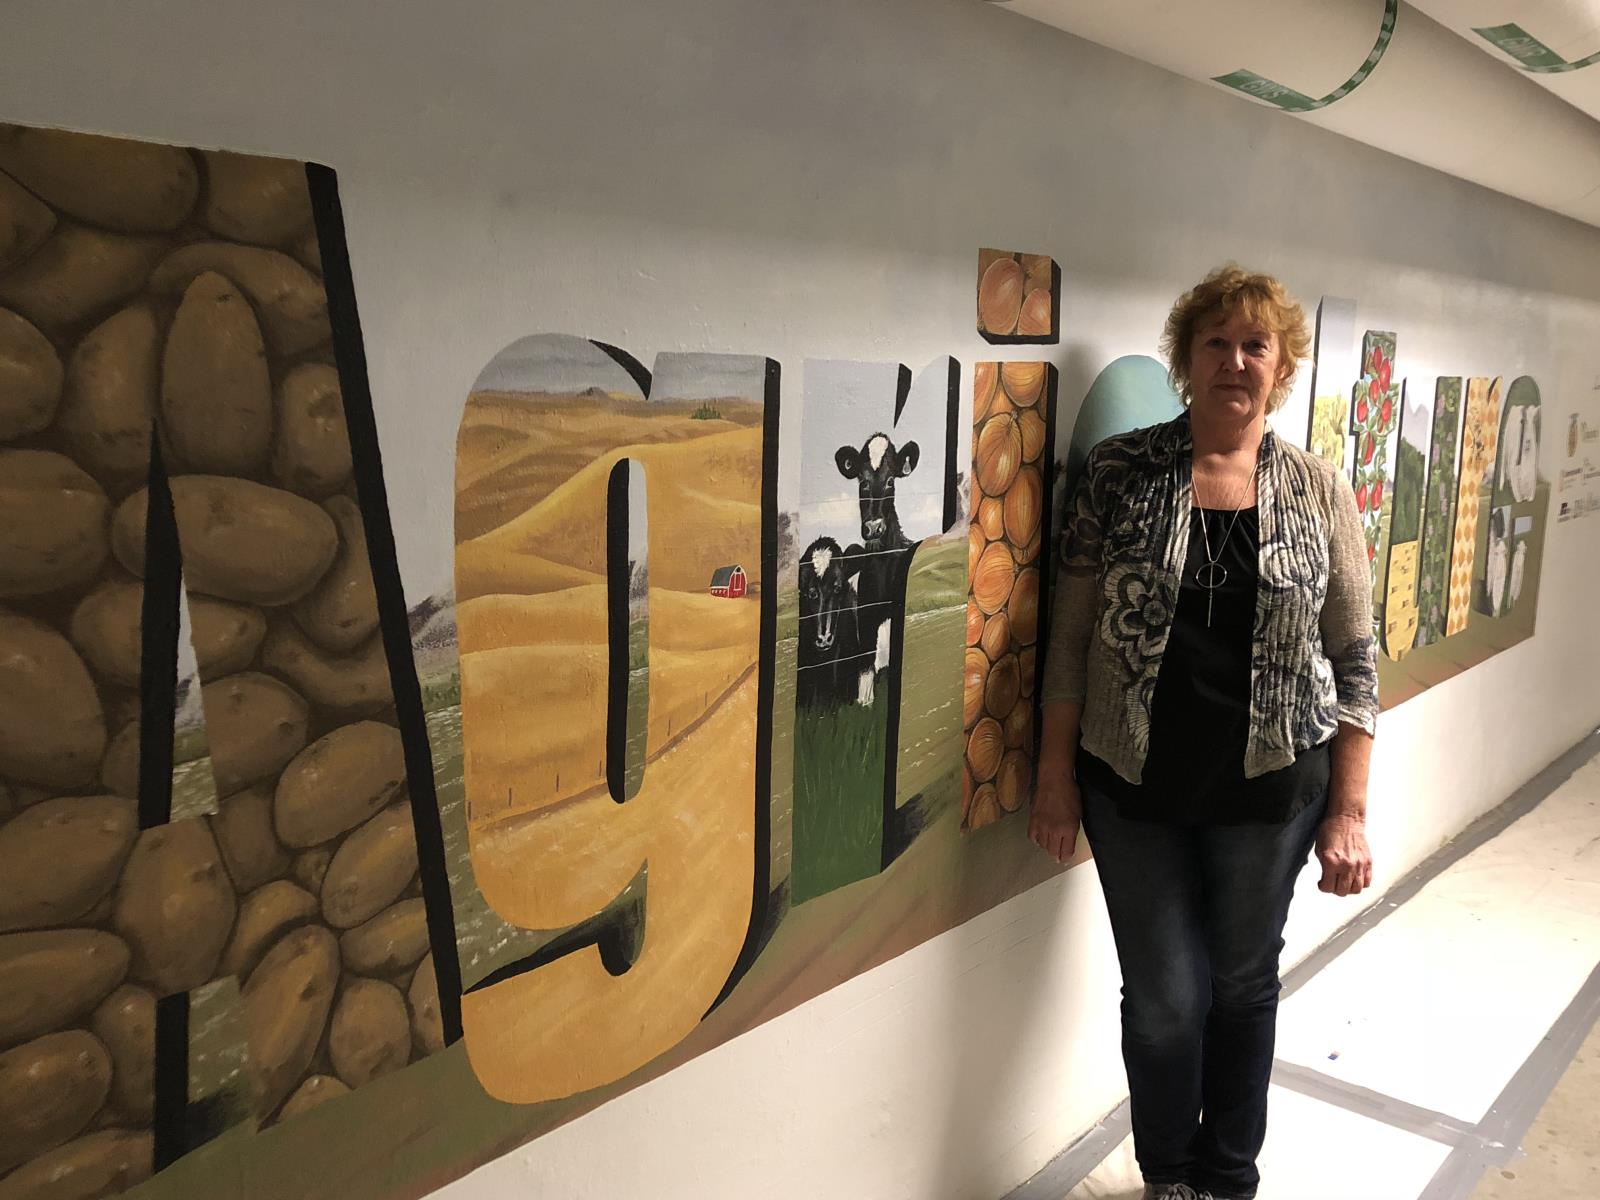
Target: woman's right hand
(1057, 810)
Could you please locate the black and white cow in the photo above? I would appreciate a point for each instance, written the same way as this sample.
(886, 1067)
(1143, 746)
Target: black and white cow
(885, 549)
(829, 661)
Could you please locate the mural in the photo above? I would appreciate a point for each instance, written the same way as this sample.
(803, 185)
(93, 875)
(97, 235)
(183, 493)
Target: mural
(1332, 369)
(543, 468)
(877, 489)
(324, 878)
(1373, 412)
(214, 916)
(1502, 547)
(1438, 534)
(1478, 440)
(1400, 611)
(1516, 511)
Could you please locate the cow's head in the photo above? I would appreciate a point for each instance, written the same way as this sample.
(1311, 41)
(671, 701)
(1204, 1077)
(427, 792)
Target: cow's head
(875, 467)
(824, 591)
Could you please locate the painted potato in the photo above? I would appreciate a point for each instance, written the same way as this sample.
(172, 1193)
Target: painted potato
(52, 523)
(338, 782)
(257, 725)
(98, 1164)
(245, 837)
(77, 275)
(311, 446)
(286, 1001)
(175, 906)
(115, 183)
(341, 611)
(62, 856)
(224, 527)
(108, 401)
(265, 915)
(30, 371)
(290, 302)
(25, 222)
(216, 391)
(52, 727)
(250, 198)
(125, 1023)
(52, 978)
(49, 1090)
(370, 1035)
(370, 869)
(349, 685)
(391, 941)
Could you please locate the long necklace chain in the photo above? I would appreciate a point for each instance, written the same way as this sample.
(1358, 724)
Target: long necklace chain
(1211, 574)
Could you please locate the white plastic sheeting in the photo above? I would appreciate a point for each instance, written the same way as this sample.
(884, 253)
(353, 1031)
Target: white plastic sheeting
(1414, 88)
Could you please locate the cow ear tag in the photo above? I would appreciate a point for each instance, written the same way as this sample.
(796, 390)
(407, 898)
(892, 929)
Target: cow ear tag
(908, 458)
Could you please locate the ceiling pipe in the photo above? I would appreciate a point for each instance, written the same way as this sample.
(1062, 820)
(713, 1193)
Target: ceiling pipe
(1555, 43)
(1379, 71)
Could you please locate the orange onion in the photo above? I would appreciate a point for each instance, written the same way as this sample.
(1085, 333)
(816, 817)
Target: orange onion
(991, 582)
(1000, 297)
(1024, 605)
(998, 454)
(1023, 381)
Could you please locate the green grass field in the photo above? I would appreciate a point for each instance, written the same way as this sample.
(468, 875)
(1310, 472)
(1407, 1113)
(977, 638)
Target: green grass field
(838, 758)
(838, 797)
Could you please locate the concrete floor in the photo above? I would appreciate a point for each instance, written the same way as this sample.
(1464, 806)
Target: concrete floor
(1561, 1152)
(1406, 1069)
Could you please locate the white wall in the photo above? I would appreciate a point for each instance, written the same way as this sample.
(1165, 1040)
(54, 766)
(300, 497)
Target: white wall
(814, 180)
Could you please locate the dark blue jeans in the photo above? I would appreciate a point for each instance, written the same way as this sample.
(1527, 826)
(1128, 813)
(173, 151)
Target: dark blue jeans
(1197, 912)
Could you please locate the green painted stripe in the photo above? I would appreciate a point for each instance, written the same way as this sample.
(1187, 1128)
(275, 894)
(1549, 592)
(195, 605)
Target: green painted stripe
(1531, 54)
(1286, 98)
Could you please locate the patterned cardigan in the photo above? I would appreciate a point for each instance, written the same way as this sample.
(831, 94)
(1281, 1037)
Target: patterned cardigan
(1313, 659)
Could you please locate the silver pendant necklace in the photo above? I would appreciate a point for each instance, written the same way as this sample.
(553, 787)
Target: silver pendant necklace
(1211, 574)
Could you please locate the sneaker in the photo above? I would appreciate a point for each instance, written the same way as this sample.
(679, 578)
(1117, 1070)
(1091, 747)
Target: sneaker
(1173, 1191)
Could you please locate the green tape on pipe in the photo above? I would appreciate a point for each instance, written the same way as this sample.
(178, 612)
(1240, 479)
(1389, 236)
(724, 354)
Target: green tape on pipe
(1261, 88)
(1531, 54)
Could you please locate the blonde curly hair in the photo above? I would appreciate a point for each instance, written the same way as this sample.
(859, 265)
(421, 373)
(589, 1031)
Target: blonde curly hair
(1225, 291)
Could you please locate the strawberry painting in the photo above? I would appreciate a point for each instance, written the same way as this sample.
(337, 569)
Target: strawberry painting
(1373, 414)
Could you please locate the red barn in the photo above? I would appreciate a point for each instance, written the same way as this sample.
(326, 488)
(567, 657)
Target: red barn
(728, 582)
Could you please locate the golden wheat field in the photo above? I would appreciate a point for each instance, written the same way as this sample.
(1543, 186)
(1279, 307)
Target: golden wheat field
(532, 475)
(549, 846)
(571, 1026)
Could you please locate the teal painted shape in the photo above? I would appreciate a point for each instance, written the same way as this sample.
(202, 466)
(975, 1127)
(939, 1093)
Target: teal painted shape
(1130, 393)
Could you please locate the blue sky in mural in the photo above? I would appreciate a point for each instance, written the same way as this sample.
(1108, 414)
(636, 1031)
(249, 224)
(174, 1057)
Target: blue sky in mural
(709, 377)
(561, 364)
(556, 363)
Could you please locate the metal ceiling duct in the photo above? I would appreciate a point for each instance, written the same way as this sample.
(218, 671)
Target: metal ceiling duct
(1379, 71)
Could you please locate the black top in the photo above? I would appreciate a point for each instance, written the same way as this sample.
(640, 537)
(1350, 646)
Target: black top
(1200, 715)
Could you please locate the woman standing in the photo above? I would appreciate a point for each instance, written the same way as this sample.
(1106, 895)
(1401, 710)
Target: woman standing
(1210, 695)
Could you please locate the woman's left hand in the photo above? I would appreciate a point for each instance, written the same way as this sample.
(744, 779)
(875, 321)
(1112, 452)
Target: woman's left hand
(1346, 860)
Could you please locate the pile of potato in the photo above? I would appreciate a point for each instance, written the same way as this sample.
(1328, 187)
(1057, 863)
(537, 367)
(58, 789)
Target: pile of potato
(1010, 430)
(146, 286)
